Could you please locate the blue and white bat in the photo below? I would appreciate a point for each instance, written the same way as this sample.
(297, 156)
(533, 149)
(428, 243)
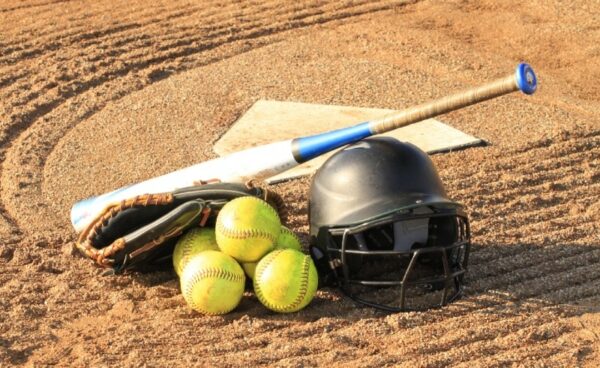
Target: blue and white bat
(267, 160)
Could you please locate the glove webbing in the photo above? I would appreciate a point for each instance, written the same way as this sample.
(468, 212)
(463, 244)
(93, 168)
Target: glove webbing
(101, 256)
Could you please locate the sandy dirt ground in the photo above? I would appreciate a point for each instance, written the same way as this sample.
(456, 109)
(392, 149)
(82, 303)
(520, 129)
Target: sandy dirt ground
(95, 95)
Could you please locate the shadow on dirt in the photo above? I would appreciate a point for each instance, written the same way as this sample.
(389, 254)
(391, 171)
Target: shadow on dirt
(558, 274)
(502, 279)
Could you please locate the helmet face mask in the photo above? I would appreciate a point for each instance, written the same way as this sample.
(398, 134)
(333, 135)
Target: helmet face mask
(369, 267)
(411, 256)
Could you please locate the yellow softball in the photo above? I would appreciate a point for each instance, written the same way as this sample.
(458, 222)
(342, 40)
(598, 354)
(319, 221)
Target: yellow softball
(194, 241)
(247, 228)
(285, 280)
(286, 240)
(212, 283)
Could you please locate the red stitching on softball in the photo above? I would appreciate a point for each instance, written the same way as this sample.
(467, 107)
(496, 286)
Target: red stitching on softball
(211, 272)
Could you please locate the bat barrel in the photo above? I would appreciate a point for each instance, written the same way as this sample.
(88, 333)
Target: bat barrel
(523, 79)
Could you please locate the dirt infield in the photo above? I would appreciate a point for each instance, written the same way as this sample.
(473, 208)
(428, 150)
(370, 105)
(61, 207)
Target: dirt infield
(96, 95)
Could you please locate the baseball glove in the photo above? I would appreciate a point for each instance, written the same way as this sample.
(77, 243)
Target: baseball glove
(141, 232)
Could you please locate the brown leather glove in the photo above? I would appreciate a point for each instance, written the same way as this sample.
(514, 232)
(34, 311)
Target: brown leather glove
(141, 232)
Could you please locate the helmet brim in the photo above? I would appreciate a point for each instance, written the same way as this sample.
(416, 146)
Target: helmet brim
(384, 209)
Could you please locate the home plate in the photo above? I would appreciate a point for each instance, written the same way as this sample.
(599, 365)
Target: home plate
(270, 121)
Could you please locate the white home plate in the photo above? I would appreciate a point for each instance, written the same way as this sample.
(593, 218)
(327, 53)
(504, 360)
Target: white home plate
(270, 121)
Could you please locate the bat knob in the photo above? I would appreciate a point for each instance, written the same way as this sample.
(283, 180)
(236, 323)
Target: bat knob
(526, 79)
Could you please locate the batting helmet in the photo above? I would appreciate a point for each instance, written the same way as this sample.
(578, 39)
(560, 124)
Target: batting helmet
(383, 229)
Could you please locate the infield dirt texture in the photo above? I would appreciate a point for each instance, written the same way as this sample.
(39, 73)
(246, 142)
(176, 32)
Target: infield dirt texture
(95, 95)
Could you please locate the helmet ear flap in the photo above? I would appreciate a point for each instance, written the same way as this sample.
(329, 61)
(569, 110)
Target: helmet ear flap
(318, 252)
(331, 269)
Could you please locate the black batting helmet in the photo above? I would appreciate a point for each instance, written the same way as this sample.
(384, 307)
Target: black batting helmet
(383, 229)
